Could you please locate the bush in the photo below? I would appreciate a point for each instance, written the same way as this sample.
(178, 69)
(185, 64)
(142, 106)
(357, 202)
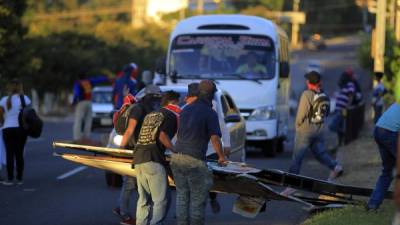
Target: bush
(392, 63)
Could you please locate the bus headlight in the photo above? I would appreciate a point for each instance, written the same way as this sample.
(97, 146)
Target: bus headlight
(263, 113)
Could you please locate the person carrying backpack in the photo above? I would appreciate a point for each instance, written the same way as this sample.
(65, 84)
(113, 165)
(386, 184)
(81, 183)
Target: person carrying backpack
(158, 129)
(13, 133)
(125, 84)
(136, 114)
(313, 110)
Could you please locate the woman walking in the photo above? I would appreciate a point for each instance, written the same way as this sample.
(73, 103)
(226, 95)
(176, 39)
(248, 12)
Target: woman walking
(14, 136)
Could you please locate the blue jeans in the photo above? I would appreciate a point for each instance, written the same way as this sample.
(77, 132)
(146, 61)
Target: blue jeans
(315, 142)
(153, 190)
(193, 181)
(387, 143)
(128, 187)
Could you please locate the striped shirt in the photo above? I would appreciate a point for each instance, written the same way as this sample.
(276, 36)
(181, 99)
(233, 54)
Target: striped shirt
(343, 98)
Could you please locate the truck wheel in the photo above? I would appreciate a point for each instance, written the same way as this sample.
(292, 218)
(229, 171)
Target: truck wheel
(269, 147)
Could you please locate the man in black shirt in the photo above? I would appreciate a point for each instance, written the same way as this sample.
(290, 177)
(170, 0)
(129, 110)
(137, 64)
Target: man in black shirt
(149, 103)
(155, 136)
(198, 124)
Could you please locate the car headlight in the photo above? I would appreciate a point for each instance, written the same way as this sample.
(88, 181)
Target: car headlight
(263, 113)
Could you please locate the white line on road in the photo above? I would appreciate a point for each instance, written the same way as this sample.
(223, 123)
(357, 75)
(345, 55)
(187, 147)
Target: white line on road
(72, 172)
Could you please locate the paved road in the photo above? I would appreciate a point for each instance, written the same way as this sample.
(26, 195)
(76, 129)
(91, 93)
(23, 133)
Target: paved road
(84, 199)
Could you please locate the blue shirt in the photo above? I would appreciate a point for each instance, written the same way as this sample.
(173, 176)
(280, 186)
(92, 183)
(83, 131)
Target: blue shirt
(118, 91)
(83, 88)
(197, 123)
(390, 119)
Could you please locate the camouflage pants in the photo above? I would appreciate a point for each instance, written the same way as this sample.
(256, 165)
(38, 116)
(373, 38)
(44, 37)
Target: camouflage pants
(193, 181)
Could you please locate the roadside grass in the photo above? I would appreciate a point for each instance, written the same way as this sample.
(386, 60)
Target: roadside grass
(354, 215)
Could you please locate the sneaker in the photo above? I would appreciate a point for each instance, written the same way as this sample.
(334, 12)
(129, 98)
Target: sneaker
(20, 182)
(8, 183)
(128, 221)
(335, 173)
(215, 207)
(288, 191)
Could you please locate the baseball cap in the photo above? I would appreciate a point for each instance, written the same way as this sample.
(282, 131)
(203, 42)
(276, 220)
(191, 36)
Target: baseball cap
(193, 90)
(313, 77)
(152, 89)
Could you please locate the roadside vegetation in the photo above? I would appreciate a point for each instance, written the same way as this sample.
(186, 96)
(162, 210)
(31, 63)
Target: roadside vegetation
(392, 63)
(353, 216)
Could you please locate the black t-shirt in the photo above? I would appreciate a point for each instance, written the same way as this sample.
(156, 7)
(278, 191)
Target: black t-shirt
(138, 112)
(197, 123)
(156, 152)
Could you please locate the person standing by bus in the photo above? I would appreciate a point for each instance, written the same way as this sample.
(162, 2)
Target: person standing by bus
(13, 134)
(197, 126)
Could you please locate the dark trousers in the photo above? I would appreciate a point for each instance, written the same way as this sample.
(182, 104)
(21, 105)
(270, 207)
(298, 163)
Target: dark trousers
(387, 143)
(14, 141)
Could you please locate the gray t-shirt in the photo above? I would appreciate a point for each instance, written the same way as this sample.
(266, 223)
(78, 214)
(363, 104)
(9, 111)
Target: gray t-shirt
(303, 123)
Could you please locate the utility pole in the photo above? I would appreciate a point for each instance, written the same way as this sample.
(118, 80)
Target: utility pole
(200, 7)
(379, 65)
(295, 26)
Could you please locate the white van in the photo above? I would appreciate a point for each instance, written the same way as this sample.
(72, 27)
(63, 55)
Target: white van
(248, 57)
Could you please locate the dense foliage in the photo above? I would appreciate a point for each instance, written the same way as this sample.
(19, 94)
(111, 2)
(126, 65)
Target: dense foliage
(392, 62)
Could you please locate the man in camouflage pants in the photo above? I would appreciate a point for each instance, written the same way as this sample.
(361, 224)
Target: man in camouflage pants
(198, 124)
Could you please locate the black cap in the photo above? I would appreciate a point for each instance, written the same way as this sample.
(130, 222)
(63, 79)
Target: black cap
(313, 77)
(193, 90)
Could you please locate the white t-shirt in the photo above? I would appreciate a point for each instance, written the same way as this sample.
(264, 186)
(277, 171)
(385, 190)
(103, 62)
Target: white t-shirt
(11, 115)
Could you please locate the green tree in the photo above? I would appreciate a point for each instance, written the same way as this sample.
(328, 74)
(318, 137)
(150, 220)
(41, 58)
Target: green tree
(269, 4)
(14, 60)
(392, 62)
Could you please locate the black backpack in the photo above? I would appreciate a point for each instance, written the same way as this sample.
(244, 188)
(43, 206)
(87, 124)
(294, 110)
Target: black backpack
(320, 107)
(29, 120)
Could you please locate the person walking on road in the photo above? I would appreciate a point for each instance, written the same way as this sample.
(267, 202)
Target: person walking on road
(155, 136)
(13, 134)
(386, 136)
(83, 105)
(311, 115)
(197, 126)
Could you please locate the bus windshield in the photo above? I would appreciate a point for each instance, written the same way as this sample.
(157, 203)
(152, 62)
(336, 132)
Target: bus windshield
(222, 56)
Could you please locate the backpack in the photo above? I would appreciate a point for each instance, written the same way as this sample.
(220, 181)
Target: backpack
(121, 118)
(150, 128)
(320, 107)
(29, 120)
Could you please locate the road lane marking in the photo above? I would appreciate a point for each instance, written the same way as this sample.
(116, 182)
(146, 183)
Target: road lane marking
(72, 172)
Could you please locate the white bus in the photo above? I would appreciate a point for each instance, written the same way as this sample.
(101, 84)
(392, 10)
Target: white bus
(246, 56)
